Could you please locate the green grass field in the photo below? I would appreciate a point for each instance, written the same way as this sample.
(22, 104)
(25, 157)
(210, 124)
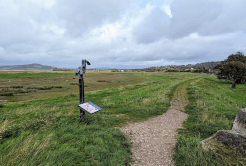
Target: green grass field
(43, 127)
(213, 106)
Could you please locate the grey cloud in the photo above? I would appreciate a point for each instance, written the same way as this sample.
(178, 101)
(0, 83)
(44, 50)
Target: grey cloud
(207, 17)
(21, 27)
(190, 16)
(153, 27)
(231, 19)
(203, 17)
(79, 16)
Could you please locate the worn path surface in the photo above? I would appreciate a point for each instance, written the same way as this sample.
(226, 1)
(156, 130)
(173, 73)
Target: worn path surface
(153, 140)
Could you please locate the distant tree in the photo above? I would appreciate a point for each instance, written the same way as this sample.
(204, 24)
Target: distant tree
(114, 70)
(125, 70)
(233, 68)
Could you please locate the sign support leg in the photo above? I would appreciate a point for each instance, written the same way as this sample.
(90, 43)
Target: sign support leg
(81, 94)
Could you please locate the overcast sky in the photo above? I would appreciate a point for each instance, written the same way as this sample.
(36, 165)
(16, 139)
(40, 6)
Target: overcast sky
(120, 33)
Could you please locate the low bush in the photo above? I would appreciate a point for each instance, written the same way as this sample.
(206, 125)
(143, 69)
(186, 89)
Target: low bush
(7, 94)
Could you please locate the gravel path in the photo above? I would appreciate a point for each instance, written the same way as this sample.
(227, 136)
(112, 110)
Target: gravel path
(153, 141)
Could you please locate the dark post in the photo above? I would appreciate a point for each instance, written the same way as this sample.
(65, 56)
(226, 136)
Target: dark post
(81, 85)
(81, 94)
(233, 84)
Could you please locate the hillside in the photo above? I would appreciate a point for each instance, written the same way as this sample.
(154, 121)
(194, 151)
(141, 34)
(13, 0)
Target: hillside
(33, 66)
(207, 65)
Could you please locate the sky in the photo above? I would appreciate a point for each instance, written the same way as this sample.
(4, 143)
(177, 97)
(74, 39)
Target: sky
(120, 34)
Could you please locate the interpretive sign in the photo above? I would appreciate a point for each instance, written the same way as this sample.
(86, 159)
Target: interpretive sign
(89, 107)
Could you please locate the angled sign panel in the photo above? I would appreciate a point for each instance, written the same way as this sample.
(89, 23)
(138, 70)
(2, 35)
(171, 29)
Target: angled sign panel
(89, 107)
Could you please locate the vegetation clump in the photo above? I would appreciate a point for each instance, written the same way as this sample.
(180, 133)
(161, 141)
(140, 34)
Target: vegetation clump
(58, 86)
(44, 88)
(114, 70)
(101, 81)
(233, 68)
(16, 86)
(22, 91)
(74, 83)
(6, 94)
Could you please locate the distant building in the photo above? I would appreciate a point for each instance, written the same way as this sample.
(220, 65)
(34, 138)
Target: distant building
(120, 70)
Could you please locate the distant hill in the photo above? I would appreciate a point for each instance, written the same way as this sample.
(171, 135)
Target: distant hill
(33, 66)
(103, 68)
(99, 68)
(208, 65)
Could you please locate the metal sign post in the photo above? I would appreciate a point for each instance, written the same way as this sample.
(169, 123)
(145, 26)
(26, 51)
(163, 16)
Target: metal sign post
(88, 107)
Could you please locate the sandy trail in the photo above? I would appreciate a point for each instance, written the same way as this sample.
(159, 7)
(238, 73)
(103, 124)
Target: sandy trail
(153, 140)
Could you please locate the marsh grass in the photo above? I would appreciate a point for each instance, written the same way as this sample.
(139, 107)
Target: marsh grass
(44, 84)
(213, 105)
(48, 131)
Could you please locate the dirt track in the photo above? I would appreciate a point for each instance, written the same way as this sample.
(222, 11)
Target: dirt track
(153, 140)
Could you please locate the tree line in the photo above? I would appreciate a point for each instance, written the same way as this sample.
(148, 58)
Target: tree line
(233, 68)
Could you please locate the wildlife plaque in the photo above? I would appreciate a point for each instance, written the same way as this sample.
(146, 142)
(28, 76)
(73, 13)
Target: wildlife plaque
(89, 107)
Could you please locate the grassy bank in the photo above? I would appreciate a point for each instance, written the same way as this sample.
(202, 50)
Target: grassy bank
(213, 106)
(48, 131)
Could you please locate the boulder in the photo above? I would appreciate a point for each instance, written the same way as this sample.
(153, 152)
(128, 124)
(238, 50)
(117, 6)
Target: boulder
(239, 123)
(229, 144)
